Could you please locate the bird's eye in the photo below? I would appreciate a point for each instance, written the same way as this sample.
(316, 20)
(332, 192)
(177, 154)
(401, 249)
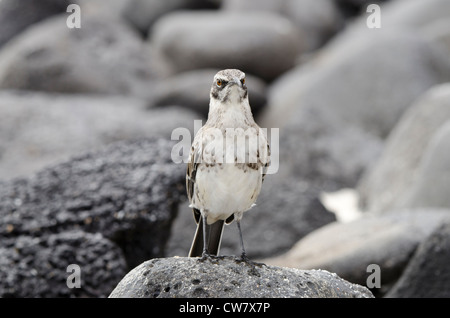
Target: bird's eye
(219, 83)
(243, 81)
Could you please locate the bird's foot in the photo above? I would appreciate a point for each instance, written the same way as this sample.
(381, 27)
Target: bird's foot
(244, 259)
(210, 257)
(204, 257)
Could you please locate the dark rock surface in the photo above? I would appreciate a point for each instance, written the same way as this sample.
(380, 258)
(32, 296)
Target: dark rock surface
(39, 129)
(347, 249)
(187, 277)
(340, 92)
(38, 266)
(427, 274)
(128, 192)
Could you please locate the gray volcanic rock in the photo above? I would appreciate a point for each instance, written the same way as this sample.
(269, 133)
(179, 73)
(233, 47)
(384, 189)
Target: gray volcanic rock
(16, 16)
(128, 192)
(317, 20)
(38, 266)
(336, 110)
(347, 249)
(143, 13)
(385, 184)
(427, 274)
(226, 277)
(268, 44)
(39, 129)
(432, 182)
(103, 56)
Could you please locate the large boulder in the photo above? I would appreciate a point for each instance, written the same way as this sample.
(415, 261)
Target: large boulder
(385, 184)
(407, 15)
(39, 266)
(427, 274)
(228, 278)
(103, 56)
(318, 20)
(348, 249)
(40, 129)
(142, 14)
(336, 110)
(414, 14)
(128, 192)
(267, 45)
(431, 184)
(438, 32)
(16, 17)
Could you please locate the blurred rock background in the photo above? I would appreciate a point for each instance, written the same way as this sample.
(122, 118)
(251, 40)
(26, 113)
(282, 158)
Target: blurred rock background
(86, 117)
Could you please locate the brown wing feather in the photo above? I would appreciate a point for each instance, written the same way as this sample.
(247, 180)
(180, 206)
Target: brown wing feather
(191, 173)
(267, 164)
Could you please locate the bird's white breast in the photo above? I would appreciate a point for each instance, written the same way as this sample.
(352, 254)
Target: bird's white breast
(225, 189)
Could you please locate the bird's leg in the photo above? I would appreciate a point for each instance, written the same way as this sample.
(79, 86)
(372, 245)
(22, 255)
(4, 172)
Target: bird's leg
(205, 253)
(206, 240)
(244, 258)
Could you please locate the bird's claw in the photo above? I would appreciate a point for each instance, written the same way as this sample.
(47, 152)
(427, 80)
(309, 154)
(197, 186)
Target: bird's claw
(244, 259)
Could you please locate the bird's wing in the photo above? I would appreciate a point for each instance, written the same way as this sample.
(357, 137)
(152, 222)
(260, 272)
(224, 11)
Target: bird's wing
(263, 152)
(191, 172)
(267, 163)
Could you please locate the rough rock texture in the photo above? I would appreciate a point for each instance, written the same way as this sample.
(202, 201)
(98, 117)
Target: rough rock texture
(267, 45)
(128, 192)
(37, 266)
(39, 129)
(187, 277)
(427, 274)
(348, 248)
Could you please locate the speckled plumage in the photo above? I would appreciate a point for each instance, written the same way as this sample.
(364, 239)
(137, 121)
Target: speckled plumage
(229, 156)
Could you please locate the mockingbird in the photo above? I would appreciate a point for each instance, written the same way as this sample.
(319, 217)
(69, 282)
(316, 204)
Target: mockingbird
(227, 164)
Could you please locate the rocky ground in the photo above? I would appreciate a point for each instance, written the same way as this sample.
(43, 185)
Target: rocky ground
(86, 169)
(227, 277)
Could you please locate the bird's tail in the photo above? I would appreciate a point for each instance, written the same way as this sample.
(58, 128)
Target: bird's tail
(213, 238)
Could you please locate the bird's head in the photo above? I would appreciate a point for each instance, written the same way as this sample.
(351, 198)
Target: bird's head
(229, 86)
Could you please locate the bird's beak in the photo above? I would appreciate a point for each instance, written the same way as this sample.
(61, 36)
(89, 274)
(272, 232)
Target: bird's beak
(236, 81)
